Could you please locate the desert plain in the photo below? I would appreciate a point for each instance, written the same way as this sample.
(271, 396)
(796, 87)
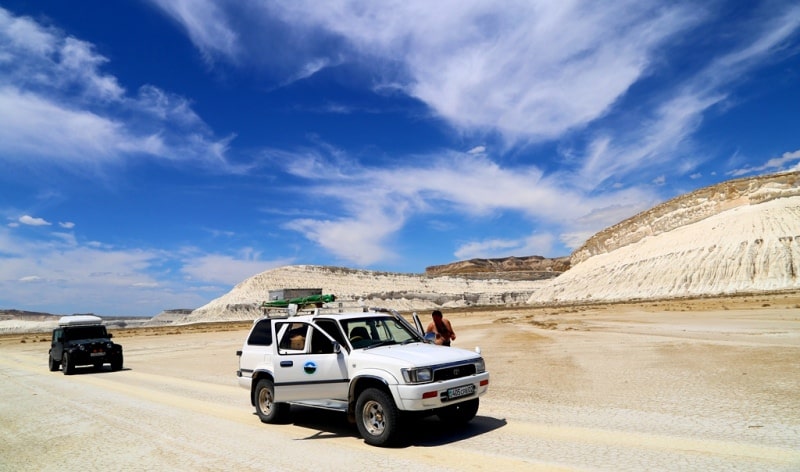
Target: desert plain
(708, 384)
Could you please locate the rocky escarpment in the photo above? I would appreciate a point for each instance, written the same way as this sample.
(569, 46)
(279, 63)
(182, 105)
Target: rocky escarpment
(738, 237)
(690, 208)
(508, 268)
(26, 315)
(354, 288)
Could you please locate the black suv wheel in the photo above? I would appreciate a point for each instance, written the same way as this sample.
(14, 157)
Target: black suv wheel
(53, 364)
(69, 367)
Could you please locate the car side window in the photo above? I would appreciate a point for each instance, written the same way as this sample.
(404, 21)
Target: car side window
(261, 335)
(320, 344)
(293, 337)
(332, 328)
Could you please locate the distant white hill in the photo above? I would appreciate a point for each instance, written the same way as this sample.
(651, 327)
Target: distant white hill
(355, 287)
(751, 248)
(739, 236)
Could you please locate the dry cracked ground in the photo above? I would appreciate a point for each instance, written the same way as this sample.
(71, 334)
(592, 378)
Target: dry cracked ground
(703, 385)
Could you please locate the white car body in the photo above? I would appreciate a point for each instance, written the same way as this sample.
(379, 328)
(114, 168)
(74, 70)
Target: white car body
(313, 360)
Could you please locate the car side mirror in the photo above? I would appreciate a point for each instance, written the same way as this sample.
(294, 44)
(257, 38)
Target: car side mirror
(110, 335)
(337, 348)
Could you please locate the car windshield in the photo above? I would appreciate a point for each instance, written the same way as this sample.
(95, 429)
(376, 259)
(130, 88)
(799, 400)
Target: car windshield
(85, 332)
(378, 330)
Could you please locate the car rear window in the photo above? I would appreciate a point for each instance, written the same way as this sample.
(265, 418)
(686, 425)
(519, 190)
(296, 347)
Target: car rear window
(261, 335)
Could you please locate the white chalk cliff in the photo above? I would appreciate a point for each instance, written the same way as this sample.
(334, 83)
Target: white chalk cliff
(739, 236)
(356, 287)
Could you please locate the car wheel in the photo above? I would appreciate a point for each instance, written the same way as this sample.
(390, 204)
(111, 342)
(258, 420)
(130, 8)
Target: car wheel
(377, 417)
(268, 410)
(460, 413)
(53, 364)
(116, 363)
(69, 369)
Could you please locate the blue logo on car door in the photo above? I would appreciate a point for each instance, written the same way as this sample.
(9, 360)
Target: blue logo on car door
(310, 367)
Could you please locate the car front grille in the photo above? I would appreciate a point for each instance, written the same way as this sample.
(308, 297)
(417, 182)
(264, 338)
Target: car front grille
(453, 372)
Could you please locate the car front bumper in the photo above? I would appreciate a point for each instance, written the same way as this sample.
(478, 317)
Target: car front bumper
(420, 397)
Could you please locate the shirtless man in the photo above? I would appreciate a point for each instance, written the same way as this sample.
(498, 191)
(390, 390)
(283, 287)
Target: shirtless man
(442, 328)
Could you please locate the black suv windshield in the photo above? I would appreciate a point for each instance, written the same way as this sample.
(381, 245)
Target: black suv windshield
(84, 332)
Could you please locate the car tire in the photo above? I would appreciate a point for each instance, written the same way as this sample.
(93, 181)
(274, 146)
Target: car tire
(68, 367)
(268, 410)
(377, 417)
(460, 413)
(116, 363)
(53, 364)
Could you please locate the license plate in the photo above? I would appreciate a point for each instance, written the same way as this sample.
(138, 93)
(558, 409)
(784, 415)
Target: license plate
(97, 354)
(462, 391)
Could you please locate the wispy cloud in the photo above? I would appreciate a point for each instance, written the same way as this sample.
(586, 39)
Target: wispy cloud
(787, 161)
(62, 271)
(33, 221)
(657, 142)
(493, 248)
(450, 183)
(206, 24)
(68, 111)
(530, 70)
(226, 269)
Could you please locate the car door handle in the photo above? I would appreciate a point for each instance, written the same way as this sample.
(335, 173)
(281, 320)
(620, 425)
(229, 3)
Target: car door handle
(287, 363)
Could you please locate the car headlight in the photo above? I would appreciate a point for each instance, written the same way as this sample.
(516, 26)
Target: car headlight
(418, 375)
(480, 366)
(109, 346)
(82, 347)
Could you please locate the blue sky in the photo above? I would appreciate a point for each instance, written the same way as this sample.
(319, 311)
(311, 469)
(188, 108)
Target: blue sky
(155, 153)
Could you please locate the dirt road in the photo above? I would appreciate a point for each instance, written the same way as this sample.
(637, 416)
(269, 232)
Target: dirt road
(624, 388)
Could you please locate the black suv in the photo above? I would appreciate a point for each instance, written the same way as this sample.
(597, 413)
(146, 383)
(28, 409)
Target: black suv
(83, 341)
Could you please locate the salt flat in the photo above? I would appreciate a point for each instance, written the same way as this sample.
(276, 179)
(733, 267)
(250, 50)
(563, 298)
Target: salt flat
(703, 385)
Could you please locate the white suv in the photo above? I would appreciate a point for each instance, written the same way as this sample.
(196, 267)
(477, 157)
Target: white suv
(375, 366)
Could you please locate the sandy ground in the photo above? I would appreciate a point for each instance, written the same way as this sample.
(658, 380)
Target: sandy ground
(709, 385)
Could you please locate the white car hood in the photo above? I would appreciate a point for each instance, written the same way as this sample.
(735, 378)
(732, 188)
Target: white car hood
(421, 354)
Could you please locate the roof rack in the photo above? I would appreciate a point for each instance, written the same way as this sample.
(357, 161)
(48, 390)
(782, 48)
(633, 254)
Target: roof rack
(292, 306)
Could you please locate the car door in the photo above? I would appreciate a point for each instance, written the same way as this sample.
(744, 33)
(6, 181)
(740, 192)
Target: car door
(57, 344)
(308, 364)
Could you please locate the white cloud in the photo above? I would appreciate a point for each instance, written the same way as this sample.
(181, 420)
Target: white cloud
(226, 269)
(533, 245)
(206, 24)
(67, 111)
(529, 70)
(451, 183)
(66, 224)
(40, 129)
(657, 141)
(359, 239)
(61, 272)
(787, 161)
(31, 221)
